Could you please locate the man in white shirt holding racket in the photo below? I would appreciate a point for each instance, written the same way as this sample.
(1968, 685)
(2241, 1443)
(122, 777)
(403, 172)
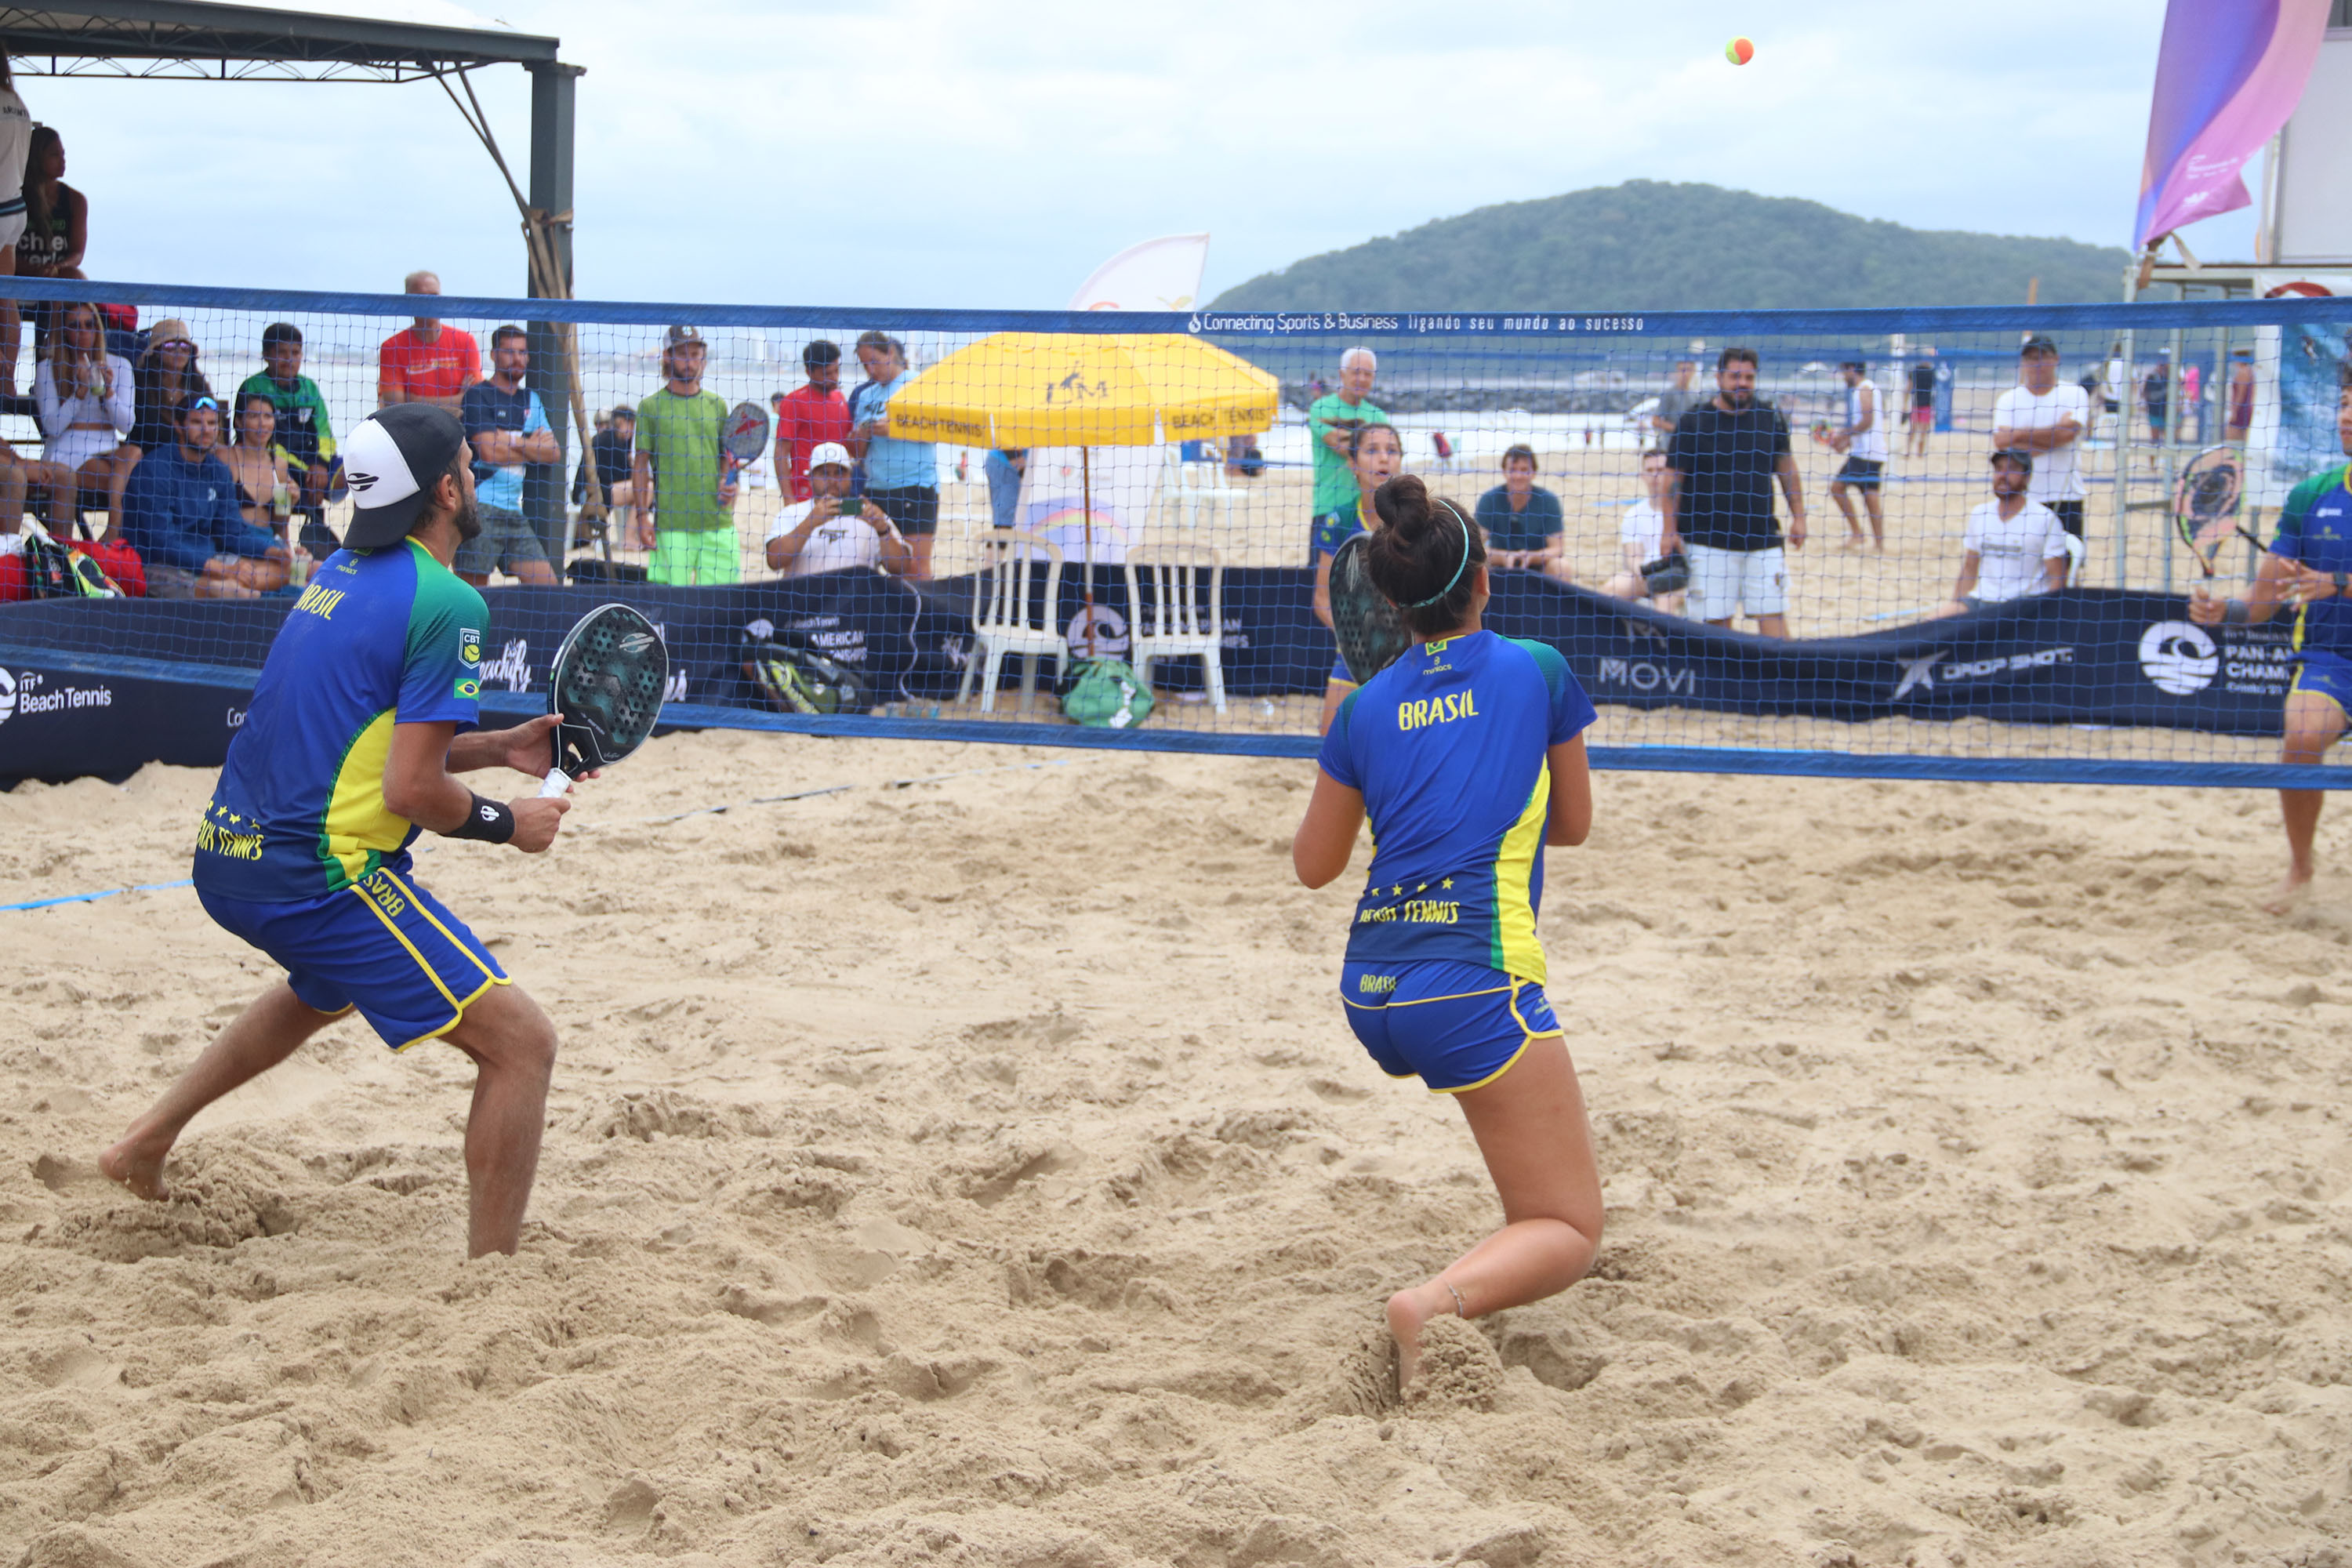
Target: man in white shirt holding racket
(833, 530)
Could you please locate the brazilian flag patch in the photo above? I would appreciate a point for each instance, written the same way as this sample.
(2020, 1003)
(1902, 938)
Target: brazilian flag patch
(468, 688)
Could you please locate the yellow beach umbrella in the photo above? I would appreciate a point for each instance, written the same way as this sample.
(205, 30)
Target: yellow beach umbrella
(1017, 390)
(1047, 389)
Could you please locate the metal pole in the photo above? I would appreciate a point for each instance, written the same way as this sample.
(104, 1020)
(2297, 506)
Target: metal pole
(554, 348)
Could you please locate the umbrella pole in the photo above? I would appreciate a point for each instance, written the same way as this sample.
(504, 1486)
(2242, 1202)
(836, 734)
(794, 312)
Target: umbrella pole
(1087, 497)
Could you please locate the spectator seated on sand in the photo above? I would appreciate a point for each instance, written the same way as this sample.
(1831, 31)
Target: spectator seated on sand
(1525, 527)
(2015, 548)
(180, 511)
(834, 531)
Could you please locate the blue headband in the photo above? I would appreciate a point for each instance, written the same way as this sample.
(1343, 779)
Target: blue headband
(1450, 582)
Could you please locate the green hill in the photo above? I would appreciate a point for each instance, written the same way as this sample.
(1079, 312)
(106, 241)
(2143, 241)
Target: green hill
(1650, 246)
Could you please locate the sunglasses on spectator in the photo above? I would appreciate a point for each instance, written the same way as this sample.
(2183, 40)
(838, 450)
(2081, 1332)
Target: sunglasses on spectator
(195, 403)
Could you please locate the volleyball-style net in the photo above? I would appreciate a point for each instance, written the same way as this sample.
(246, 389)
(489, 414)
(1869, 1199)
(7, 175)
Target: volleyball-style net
(1158, 490)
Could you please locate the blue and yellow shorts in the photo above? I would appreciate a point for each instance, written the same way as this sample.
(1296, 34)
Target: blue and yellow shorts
(1341, 674)
(2330, 674)
(384, 945)
(1459, 1026)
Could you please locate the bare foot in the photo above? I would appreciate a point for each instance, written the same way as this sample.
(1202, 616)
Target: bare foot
(137, 1162)
(2291, 892)
(1408, 1310)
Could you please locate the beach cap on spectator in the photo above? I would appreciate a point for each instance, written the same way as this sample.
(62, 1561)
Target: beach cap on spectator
(828, 454)
(2039, 343)
(2017, 455)
(391, 461)
(677, 336)
(170, 330)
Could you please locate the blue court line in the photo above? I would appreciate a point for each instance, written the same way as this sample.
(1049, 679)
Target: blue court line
(586, 826)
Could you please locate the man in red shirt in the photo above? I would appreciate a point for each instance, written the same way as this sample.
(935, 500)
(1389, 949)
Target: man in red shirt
(428, 363)
(812, 416)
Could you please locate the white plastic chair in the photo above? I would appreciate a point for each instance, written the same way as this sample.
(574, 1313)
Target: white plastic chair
(2074, 553)
(1170, 619)
(1007, 617)
(1199, 484)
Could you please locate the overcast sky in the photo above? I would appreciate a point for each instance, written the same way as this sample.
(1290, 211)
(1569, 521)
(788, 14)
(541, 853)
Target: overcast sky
(921, 153)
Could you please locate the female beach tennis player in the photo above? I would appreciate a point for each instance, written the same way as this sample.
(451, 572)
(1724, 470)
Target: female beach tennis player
(1467, 754)
(1377, 453)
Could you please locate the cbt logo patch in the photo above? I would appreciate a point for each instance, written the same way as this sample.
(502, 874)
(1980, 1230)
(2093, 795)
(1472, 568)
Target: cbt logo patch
(2179, 658)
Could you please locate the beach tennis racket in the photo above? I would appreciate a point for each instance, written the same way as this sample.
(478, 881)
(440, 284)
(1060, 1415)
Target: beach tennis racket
(2205, 503)
(741, 439)
(1370, 629)
(607, 682)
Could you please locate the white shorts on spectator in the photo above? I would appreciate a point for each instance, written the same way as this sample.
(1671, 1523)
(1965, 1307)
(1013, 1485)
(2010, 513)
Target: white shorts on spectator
(1728, 584)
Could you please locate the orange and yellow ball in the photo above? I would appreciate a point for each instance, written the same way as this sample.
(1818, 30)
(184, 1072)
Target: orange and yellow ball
(1740, 51)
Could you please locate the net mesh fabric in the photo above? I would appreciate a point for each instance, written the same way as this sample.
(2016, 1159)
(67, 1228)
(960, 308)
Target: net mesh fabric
(1885, 666)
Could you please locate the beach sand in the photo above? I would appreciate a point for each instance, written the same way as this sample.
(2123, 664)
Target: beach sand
(978, 1171)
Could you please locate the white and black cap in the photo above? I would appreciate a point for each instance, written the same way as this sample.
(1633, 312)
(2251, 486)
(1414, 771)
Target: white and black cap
(391, 462)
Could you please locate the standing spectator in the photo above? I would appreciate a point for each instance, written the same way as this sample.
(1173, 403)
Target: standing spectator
(685, 516)
(304, 430)
(508, 428)
(2155, 395)
(2240, 415)
(85, 396)
(1004, 471)
(181, 513)
(16, 153)
(1723, 458)
(57, 217)
(1923, 405)
(812, 415)
(1333, 417)
(266, 485)
(2040, 416)
(834, 531)
(1678, 399)
(427, 363)
(1865, 445)
(1524, 523)
(902, 477)
(167, 376)
(2014, 546)
(610, 450)
(2193, 400)
(1641, 539)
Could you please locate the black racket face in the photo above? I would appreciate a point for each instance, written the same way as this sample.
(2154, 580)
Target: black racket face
(2205, 502)
(745, 436)
(1370, 632)
(607, 682)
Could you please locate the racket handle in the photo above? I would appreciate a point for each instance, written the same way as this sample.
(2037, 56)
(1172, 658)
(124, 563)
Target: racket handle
(557, 782)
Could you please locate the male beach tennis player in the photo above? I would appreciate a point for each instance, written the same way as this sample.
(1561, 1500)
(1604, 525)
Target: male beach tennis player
(364, 709)
(2309, 566)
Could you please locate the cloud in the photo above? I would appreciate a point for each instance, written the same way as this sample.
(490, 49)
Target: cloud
(924, 153)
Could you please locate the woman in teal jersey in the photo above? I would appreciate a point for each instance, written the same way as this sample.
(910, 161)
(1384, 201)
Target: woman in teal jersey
(1468, 756)
(1376, 453)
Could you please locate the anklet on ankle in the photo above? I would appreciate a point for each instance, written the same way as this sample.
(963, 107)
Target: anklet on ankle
(1460, 1310)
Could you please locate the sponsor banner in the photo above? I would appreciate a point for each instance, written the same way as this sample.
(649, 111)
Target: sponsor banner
(71, 703)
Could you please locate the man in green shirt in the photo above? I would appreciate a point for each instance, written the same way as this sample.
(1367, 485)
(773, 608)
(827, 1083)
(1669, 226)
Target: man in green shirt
(688, 522)
(1330, 418)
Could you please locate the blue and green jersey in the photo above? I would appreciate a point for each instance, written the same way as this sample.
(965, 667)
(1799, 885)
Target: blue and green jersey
(2315, 527)
(1448, 747)
(378, 637)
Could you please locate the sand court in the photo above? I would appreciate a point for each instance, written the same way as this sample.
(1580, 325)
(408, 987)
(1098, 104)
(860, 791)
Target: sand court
(978, 1170)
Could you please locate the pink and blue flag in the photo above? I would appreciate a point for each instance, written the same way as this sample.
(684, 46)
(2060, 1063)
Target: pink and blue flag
(2228, 75)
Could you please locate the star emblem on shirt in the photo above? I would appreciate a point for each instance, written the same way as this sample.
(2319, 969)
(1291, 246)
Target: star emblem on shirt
(1396, 891)
(1447, 883)
(1422, 889)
